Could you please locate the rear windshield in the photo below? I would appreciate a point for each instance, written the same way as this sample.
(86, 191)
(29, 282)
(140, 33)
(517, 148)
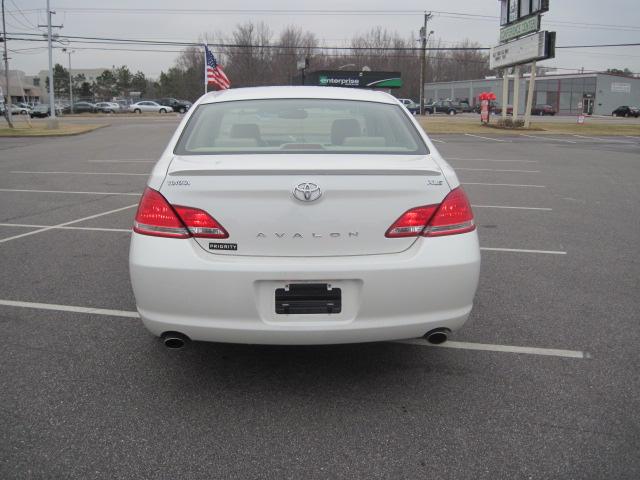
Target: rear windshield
(299, 125)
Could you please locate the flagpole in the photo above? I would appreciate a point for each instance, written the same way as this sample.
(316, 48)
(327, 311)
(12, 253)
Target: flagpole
(205, 68)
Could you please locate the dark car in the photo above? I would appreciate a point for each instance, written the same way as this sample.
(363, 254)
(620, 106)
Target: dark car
(179, 106)
(465, 107)
(443, 106)
(626, 111)
(81, 107)
(543, 110)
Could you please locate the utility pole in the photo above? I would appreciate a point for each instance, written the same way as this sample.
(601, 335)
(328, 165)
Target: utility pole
(52, 123)
(423, 59)
(7, 112)
(70, 79)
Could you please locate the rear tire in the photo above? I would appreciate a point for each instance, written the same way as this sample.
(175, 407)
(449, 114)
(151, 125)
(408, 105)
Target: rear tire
(137, 110)
(182, 110)
(452, 112)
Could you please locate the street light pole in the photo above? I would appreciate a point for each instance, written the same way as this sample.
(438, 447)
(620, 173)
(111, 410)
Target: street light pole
(6, 72)
(69, 52)
(423, 60)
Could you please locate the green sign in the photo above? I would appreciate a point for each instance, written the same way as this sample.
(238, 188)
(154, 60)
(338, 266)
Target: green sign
(518, 29)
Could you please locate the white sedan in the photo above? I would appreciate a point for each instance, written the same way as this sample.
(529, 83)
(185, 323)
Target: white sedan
(149, 106)
(302, 215)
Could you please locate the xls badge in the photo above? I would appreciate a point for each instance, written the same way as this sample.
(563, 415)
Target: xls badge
(223, 246)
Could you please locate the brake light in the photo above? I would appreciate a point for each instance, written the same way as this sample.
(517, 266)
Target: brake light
(156, 217)
(451, 217)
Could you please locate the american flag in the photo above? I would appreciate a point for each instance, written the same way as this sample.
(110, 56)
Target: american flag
(213, 72)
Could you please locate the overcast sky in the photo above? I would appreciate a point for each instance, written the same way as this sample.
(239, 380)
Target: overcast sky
(613, 21)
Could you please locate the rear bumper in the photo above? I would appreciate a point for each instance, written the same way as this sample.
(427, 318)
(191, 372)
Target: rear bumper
(222, 298)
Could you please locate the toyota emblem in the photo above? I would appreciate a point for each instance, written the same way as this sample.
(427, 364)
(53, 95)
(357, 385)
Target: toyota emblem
(307, 192)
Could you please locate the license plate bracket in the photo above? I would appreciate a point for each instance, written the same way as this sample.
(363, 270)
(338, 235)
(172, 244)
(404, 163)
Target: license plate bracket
(308, 299)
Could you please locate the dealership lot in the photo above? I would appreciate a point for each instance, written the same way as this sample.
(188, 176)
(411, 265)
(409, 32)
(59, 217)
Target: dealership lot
(541, 383)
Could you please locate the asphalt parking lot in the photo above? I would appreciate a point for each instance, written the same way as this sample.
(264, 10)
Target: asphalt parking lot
(541, 383)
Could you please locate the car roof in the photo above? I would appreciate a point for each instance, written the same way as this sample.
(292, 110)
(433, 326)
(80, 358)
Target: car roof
(333, 93)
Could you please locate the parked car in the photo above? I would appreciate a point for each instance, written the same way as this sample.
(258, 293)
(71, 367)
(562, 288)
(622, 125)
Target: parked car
(180, 106)
(258, 231)
(107, 107)
(412, 106)
(443, 106)
(149, 106)
(20, 109)
(43, 110)
(543, 110)
(81, 107)
(626, 111)
(498, 110)
(465, 107)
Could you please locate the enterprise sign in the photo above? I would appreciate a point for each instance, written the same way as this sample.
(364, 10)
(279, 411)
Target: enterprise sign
(518, 29)
(540, 46)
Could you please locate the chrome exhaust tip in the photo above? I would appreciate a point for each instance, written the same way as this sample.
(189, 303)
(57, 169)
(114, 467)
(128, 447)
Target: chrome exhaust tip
(437, 335)
(174, 340)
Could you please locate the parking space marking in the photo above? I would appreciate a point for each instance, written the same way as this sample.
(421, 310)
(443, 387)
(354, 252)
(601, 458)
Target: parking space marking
(70, 308)
(521, 250)
(489, 160)
(68, 191)
(634, 138)
(487, 138)
(67, 223)
(547, 138)
(496, 170)
(487, 347)
(606, 140)
(415, 341)
(78, 173)
(122, 161)
(95, 229)
(502, 184)
(542, 209)
(436, 140)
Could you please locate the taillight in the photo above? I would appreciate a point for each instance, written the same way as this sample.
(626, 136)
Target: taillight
(451, 217)
(200, 223)
(412, 222)
(156, 217)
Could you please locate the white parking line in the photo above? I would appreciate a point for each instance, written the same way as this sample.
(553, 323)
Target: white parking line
(416, 341)
(489, 160)
(547, 138)
(438, 141)
(550, 352)
(496, 170)
(606, 140)
(543, 209)
(502, 184)
(70, 308)
(68, 191)
(79, 173)
(485, 138)
(629, 136)
(520, 250)
(122, 161)
(94, 229)
(66, 223)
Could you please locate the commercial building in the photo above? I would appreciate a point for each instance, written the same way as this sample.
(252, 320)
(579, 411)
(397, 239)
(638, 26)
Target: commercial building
(589, 93)
(22, 87)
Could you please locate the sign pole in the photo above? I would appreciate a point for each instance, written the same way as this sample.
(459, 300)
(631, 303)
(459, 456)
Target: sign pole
(206, 82)
(532, 83)
(505, 92)
(516, 91)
